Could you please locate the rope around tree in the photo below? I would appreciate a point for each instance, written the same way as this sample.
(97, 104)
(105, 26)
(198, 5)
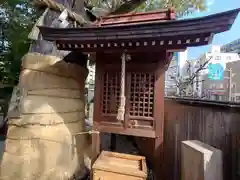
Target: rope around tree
(59, 7)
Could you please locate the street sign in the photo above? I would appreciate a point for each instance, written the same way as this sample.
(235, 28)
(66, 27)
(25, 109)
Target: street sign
(215, 71)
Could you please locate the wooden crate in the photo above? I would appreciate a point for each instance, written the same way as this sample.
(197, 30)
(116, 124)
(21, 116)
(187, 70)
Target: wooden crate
(117, 166)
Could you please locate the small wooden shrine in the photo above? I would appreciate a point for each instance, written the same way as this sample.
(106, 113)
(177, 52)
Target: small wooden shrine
(132, 54)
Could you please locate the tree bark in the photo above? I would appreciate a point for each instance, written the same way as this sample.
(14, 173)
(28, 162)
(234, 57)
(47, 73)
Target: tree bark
(66, 160)
(49, 48)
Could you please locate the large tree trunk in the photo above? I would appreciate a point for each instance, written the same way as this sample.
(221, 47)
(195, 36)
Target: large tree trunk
(49, 48)
(41, 143)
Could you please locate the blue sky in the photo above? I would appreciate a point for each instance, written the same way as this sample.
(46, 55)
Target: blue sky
(216, 6)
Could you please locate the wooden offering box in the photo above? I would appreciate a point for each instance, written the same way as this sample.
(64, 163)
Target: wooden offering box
(117, 166)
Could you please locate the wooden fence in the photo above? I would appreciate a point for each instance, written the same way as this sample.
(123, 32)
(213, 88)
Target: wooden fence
(214, 123)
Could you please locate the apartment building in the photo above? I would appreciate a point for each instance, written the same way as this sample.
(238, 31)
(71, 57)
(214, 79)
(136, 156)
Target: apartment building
(235, 80)
(216, 89)
(216, 84)
(213, 80)
(174, 70)
(232, 47)
(170, 83)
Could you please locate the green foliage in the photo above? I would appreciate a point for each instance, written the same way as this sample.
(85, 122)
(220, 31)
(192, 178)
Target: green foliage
(17, 18)
(106, 7)
(181, 7)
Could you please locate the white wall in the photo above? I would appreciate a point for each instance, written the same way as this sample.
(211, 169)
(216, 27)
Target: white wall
(182, 62)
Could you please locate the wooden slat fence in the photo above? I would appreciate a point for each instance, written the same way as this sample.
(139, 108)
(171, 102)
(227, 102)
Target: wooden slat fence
(214, 123)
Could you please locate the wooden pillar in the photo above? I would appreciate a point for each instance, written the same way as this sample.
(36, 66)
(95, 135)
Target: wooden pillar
(95, 146)
(159, 114)
(157, 159)
(95, 149)
(96, 111)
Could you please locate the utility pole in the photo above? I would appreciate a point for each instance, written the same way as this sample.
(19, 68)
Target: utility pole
(230, 85)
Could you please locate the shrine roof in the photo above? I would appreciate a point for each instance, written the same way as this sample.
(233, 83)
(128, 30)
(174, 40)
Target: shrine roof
(141, 30)
(137, 18)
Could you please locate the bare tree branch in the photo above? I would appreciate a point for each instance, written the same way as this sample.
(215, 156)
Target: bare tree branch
(188, 67)
(183, 84)
(196, 82)
(202, 66)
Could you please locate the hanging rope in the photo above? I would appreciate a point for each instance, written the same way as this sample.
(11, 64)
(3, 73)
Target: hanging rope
(121, 109)
(87, 132)
(46, 138)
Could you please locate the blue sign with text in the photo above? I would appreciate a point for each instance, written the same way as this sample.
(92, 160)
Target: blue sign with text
(215, 71)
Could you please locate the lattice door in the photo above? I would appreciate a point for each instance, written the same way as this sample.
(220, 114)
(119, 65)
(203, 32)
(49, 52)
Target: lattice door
(144, 90)
(141, 95)
(111, 93)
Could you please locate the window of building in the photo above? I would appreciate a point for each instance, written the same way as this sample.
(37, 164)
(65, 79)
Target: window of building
(237, 98)
(234, 86)
(218, 58)
(228, 57)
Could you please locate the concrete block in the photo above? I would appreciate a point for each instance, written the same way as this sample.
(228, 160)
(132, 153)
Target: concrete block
(200, 161)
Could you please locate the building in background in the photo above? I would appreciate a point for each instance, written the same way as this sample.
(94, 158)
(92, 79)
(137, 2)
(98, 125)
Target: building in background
(171, 73)
(178, 69)
(232, 47)
(89, 87)
(90, 82)
(186, 67)
(183, 57)
(213, 81)
(234, 82)
(216, 89)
